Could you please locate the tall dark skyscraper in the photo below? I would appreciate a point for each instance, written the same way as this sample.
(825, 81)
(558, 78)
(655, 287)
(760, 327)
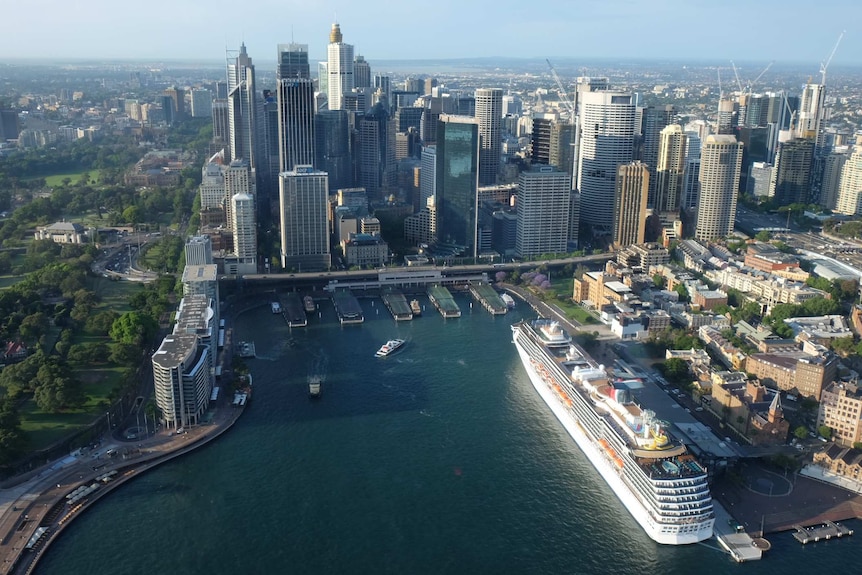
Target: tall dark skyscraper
(361, 72)
(655, 119)
(793, 164)
(458, 182)
(376, 154)
(332, 150)
(540, 141)
(295, 123)
(489, 113)
(292, 61)
(8, 125)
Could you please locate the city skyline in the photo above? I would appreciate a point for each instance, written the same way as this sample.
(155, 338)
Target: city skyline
(761, 34)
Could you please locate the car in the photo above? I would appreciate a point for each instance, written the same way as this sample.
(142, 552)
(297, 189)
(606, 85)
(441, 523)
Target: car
(698, 409)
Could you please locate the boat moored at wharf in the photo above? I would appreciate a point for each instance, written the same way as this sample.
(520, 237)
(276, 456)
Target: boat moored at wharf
(658, 481)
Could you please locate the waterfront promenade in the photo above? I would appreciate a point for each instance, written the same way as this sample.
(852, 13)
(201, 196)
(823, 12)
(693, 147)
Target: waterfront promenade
(41, 500)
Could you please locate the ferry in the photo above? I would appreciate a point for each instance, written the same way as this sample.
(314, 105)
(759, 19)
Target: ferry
(661, 484)
(508, 300)
(390, 347)
(308, 302)
(314, 384)
(415, 307)
(276, 307)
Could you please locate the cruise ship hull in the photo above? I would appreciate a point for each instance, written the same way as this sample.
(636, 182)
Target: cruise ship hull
(569, 421)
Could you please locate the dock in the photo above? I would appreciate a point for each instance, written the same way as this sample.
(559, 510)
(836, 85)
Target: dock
(488, 297)
(347, 307)
(443, 301)
(293, 310)
(397, 305)
(823, 532)
(738, 544)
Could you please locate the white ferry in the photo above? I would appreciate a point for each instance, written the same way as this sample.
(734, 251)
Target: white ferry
(276, 307)
(390, 347)
(662, 485)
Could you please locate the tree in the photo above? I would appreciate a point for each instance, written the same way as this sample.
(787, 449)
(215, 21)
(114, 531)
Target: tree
(763, 236)
(843, 346)
(801, 432)
(825, 431)
(659, 280)
(133, 328)
(33, 327)
(675, 370)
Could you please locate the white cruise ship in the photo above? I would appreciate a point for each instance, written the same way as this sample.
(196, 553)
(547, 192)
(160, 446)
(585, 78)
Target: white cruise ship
(662, 485)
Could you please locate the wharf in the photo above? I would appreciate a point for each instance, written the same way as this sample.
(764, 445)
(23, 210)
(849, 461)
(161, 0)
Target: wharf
(443, 301)
(488, 297)
(740, 545)
(347, 307)
(293, 310)
(823, 532)
(397, 305)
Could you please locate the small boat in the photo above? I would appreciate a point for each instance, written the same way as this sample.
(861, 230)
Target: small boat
(415, 307)
(508, 300)
(314, 387)
(276, 307)
(390, 347)
(308, 302)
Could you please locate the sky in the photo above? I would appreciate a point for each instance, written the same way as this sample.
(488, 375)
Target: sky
(685, 30)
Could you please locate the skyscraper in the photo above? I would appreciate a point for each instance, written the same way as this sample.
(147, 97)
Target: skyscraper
(810, 117)
(332, 148)
(630, 203)
(540, 140)
(427, 175)
(792, 172)
(720, 163)
(543, 201)
(292, 61)
(295, 123)
(202, 103)
(850, 190)
(489, 113)
(654, 120)
(607, 132)
(376, 161)
(238, 179)
(199, 251)
(458, 182)
(561, 150)
(242, 108)
(670, 168)
(361, 72)
(221, 126)
(304, 202)
(832, 166)
(339, 69)
(244, 228)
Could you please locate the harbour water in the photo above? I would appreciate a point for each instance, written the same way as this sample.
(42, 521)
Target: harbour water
(438, 459)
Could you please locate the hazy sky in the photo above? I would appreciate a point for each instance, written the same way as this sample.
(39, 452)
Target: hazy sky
(759, 30)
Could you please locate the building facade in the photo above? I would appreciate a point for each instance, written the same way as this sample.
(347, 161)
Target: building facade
(489, 113)
(304, 194)
(720, 164)
(543, 202)
(630, 203)
(458, 182)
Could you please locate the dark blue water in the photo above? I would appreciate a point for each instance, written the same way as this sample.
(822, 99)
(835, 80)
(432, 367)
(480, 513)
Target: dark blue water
(439, 459)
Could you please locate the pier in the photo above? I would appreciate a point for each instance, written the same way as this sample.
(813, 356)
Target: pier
(397, 305)
(347, 307)
(823, 532)
(293, 310)
(443, 301)
(488, 297)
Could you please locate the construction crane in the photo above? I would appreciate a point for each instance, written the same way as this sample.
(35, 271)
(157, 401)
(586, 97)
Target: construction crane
(738, 83)
(792, 114)
(825, 65)
(563, 96)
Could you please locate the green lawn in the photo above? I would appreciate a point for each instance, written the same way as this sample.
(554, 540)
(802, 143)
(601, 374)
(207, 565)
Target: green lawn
(113, 294)
(44, 429)
(8, 281)
(56, 180)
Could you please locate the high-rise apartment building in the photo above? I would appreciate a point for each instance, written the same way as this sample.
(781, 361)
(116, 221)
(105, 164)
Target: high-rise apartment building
(540, 140)
(654, 119)
(199, 251)
(238, 179)
(458, 182)
(850, 190)
(607, 133)
(427, 175)
(202, 103)
(543, 201)
(332, 147)
(212, 184)
(304, 203)
(339, 67)
(561, 151)
(221, 126)
(489, 113)
(791, 175)
(243, 224)
(720, 163)
(630, 203)
(833, 163)
(670, 169)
